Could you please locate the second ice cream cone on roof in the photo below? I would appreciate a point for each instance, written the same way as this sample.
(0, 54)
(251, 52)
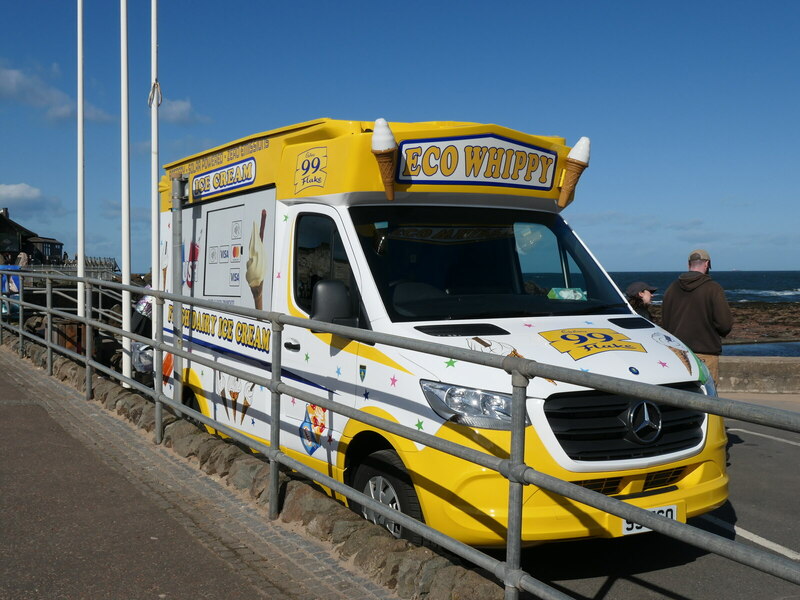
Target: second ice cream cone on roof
(575, 164)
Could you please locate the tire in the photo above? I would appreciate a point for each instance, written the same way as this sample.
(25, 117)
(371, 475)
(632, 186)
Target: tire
(190, 401)
(382, 476)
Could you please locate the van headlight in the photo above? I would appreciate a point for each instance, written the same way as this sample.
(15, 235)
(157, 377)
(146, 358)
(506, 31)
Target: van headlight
(706, 380)
(468, 406)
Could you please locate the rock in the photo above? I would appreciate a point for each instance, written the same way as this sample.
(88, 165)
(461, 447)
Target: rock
(372, 558)
(147, 420)
(443, 583)
(220, 460)
(471, 586)
(242, 472)
(302, 502)
(177, 430)
(759, 321)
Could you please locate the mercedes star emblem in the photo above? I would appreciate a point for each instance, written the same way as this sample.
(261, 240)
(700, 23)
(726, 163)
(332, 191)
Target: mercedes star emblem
(644, 422)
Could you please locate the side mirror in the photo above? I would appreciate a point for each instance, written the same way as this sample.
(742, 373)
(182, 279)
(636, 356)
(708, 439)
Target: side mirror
(330, 303)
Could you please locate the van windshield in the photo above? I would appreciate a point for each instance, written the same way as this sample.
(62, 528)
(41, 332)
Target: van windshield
(451, 262)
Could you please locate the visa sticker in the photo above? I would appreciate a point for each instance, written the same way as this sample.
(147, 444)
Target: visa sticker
(582, 342)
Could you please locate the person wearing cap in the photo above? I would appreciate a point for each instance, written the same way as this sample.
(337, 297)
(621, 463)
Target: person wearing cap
(640, 297)
(696, 312)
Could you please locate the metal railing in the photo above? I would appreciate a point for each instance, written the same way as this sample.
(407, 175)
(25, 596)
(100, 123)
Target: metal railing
(512, 468)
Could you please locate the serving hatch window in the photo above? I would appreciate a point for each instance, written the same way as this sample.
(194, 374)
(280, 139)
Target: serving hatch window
(452, 262)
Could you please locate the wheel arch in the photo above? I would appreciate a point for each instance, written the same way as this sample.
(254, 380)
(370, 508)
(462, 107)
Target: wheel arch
(362, 445)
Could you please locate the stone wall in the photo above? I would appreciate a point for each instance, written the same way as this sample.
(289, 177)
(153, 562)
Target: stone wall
(759, 374)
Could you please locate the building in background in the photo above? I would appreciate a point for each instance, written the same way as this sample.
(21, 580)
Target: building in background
(15, 239)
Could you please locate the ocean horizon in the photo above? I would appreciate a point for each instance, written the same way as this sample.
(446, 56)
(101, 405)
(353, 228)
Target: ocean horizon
(739, 286)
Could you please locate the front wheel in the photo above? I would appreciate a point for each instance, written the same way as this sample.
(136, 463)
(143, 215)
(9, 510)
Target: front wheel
(382, 477)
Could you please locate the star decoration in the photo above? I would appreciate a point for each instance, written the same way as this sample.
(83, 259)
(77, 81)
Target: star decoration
(589, 322)
(252, 421)
(450, 363)
(285, 218)
(528, 324)
(585, 370)
(662, 363)
(294, 401)
(393, 381)
(330, 438)
(366, 394)
(338, 371)
(419, 425)
(307, 357)
(278, 276)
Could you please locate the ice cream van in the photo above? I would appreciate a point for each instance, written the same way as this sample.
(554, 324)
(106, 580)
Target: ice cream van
(449, 232)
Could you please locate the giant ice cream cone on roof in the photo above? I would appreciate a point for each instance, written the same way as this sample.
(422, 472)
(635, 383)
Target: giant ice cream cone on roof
(576, 162)
(384, 147)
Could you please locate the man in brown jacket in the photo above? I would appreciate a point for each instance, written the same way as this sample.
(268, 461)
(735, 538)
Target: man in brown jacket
(696, 311)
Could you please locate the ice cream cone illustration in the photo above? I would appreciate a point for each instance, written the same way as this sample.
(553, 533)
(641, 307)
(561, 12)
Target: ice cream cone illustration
(575, 164)
(384, 147)
(684, 356)
(247, 401)
(255, 262)
(234, 388)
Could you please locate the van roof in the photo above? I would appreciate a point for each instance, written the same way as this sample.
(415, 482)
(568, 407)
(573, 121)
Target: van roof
(325, 156)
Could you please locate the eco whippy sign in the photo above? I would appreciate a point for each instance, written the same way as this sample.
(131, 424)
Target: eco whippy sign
(476, 160)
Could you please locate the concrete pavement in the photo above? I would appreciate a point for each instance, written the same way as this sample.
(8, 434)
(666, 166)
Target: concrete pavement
(90, 508)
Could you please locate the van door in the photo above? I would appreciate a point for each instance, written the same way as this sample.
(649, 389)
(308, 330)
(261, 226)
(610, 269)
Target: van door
(320, 363)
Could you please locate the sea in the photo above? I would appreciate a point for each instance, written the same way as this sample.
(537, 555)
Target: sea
(739, 286)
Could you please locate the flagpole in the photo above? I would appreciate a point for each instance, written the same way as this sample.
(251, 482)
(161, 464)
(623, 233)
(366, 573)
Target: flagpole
(155, 101)
(125, 187)
(81, 250)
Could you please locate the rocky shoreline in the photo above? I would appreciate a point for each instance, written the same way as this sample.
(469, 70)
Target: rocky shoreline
(759, 322)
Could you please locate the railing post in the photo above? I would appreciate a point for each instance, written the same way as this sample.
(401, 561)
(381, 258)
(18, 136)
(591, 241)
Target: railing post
(177, 288)
(3, 303)
(21, 315)
(515, 486)
(275, 419)
(158, 362)
(88, 341)
(48, 332)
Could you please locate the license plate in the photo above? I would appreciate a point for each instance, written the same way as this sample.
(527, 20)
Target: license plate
(669, 512)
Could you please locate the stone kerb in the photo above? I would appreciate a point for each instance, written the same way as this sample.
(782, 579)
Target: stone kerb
(412, 572)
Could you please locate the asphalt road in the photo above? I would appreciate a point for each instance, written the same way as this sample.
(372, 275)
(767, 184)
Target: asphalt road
(762, 511)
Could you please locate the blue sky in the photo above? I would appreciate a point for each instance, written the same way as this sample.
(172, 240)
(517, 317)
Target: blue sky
(692, 107)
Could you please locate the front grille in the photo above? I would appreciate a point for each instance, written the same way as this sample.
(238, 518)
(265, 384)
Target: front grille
(592, 426)
(662, 478)
(609, 486)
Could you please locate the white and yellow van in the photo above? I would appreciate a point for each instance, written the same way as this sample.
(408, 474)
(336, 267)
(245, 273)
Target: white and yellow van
(449, 232)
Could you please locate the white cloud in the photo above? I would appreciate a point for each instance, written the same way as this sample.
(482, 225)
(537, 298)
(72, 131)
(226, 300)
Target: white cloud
(180, 111)
(28, 205)
(18, 192)
(29, 90)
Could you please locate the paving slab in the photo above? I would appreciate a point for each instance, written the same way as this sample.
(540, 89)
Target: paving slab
(91, 508)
